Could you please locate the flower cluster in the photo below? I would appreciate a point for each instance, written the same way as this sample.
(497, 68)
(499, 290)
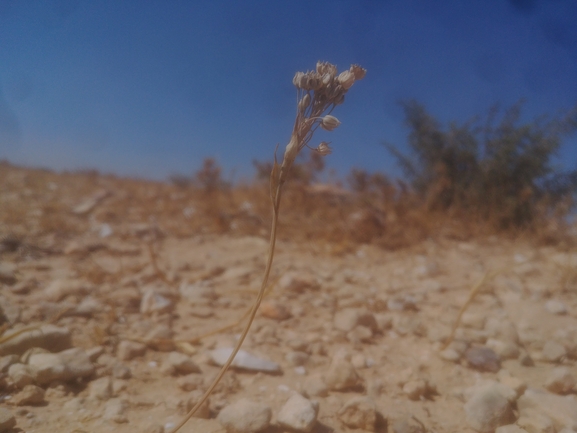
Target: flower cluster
(318, 93)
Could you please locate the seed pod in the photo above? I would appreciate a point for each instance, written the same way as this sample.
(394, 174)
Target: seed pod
(327, 79)
(358, 72)
(304, 102)
(346, 79)
(339, 99)
(324, 148)
(297, 79)
(329, 122)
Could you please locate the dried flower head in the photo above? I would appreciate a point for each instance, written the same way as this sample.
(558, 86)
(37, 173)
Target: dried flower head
(324, 148)
(358, 72)
(330, 122)
(346, 79)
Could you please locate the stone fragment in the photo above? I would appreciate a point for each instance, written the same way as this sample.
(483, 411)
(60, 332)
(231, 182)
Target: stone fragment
(415, 389)
(115, 410)
(160, 338)
(121, 371)
(88, 307)
(20, 375)
(408, 424)
(341, 375)
(201, 293)
(48, 337)
(560, 381)
(245, 416)
(511, 428)
(30, 395)
(66, 365)
(554, 306)
(503, 349)
(298, 413)
(482, 359)
(473, 320)
(6, 361)
(179, 363)
(553, 351)
(154, 303)
(190, 382)
(315, 386)
(348, 319)
(274, 310)
(297, 358)
(562, 410)
(59, 289)
(100, 389)
(516, 384)
(192, 400)
(7, 420)
(536, 423)
(244, 360)
(487, 409)
(297, 282)
(359, 412)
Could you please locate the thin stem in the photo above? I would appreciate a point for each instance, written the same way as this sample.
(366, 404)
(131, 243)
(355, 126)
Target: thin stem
(260, 295)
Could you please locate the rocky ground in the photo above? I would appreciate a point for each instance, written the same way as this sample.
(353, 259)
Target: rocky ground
(99, 335)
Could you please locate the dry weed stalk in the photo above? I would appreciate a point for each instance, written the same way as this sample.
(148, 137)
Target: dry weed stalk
(318, 93)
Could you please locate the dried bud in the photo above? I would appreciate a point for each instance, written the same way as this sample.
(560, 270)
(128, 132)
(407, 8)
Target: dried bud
(304, 102)
(358, 72)
(346, 79)
(297, 79)
(329, 122)
(326, 68)
(327, 79)
(339, 99)
(314, 81)
(324, 149)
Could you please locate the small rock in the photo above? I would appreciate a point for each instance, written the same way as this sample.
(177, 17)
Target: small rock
(408, 424)
(553, 351)
(121, 371)
(315, 386)
(160, 338)
(555, 307)
(537, 423)
(360, 334)
(59, 289)
(348, 319)
(359, 412)
(114, 410)
(511, 428)
(296, 358)
(29, 395)
(179, 363)
(67, 365)
(274, 310)
(402, 303)
(6, 361)
(88, 307)
(516, 384)
(7, 420)
(7, 273)
(482, 359)
(244, 360)
(127, 350)
(562, 410)
(20, 375)
(416, 389)
(201, 293)
(341, 375)
(487, 409)
(203, 411)
(503, 349)
(190, 382)
(297, 282)
(100, 389)
(450, 354)
(245, 416)
(560, 381)
(473, 320)
(298, 413)
(154, 303)
(48, 337)
(94, 352)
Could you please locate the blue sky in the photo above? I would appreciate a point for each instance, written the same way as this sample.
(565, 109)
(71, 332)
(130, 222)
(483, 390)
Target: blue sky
(150, 88)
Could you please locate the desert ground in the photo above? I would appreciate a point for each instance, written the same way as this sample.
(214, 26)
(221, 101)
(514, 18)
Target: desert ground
(118, 298)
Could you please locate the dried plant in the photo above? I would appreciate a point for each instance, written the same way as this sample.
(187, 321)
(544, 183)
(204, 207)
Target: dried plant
(318, 93)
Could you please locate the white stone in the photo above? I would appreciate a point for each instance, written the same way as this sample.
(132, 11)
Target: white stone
(245, 416)
(359, 412)
(560, 381)
(487, 409)
(244, 360)
(298, 413)
(562, 410)
(555, 307)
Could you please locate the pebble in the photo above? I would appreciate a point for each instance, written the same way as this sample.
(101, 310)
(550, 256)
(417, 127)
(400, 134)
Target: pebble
(20, 375)
(6, 361)
(511, 428)
(245, 416)
(154, 303)
(179, 363)
(7, 273)
(348, 319)
(48, 337)
(244, 360)
(416, 389)
(503, 349)
(408, 424)
(297, 358)
(67, 365)
(190, 382)
(7, 420)
(516, 384)
(315, 386)
(201, 293)
(562, 410)
(297, 282)
(560, 381)
(298, 413)
(487, 409)
(482, 359)
(553, 351)
(121, 371)
(554, 306)
(192, 400)
(29, 395)
(341, 375)
(114, 410)
(359, 412)
(536, 423)
(274, 310)
(100, 389)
